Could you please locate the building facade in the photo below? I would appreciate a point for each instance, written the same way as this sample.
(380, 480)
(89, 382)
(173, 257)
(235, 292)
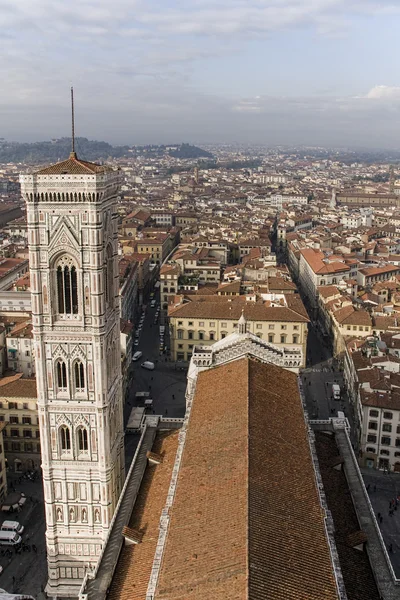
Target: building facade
(19, 416)
(204, 323)
(72, 227)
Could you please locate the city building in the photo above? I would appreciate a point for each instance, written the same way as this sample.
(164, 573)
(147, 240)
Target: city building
(20, 420)
(169, 275)
(20, 349)
(204, 320)
(73, 257)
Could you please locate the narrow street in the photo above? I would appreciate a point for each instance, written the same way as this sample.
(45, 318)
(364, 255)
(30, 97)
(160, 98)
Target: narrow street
(320, 374)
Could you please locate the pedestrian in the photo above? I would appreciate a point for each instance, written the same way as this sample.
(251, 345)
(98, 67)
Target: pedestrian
(368, 484)
(166, 411)
(381, 520)
(173, 396)
(34, 548)
(13, 579)
(374, 488)
(390, 547)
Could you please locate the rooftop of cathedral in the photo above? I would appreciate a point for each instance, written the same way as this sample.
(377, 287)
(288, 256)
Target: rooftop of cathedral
(74, 166)
(236, 519)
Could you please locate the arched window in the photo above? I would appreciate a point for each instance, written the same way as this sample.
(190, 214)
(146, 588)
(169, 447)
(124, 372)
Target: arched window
(79, 373)
(67, 287)
(83, 444)
(65, 438)
(61, 375)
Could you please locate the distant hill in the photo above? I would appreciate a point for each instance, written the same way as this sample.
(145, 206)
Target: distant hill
(55, 150)
(188, 151)
(42, 152)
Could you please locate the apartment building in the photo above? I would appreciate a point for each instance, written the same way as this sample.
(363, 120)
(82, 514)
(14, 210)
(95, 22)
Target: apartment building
(169, 276)
(18, 412)
(204, 320)
(371, 275)
(12, 269)
(128, 288)
(316, 269)
(197, 264)
(20, 349)
(157, 245)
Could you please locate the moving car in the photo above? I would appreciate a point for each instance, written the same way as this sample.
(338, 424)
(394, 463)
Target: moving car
(148, 403)
(153, 303)
(336, 391)
(148, 365)
(137, 355)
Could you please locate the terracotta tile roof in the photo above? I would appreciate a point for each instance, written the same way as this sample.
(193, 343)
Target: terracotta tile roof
(133, 570)
(326, 291)
(74, 166)
(316, 258)
(253, 311)
(241, 527)
(348, 316)
(18, 387)
(278, 283)
(378, 270)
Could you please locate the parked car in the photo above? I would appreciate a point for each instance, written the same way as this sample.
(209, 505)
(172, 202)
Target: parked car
(136, 342)
(137, 355)
(148, 365)
(12, 526)
(10, 538)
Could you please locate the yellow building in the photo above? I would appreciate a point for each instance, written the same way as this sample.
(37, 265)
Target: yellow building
(205, 320)
(18, 413)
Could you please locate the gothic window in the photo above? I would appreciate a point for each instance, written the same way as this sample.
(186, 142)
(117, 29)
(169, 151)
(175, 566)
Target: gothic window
(67, 287)
(79, 373)
(65, 438)
(83, 444)
(61, 375)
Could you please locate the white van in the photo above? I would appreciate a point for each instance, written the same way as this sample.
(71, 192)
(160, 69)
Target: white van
(12, 526)
(9, 538)
(148, 365)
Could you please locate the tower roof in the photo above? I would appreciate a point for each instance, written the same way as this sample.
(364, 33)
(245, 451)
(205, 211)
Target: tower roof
(74, 166)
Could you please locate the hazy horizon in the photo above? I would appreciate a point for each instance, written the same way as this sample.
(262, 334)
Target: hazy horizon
(272, 72)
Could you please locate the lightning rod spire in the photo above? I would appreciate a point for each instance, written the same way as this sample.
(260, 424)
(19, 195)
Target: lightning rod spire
(73, 153)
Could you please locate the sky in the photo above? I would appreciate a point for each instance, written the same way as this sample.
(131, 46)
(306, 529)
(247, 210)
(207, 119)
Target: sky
(315, 72)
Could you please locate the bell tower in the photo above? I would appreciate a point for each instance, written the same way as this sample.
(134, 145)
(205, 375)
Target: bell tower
(73, 248)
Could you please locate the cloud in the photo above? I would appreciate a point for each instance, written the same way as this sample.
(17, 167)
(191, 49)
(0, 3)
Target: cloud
(384, 92)
(133, 64)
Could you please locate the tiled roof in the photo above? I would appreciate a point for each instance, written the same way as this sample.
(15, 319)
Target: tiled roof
(19, 388)
(133, 570)
(315, 258)
(253, 311)
(73, 166)
(246, 521)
